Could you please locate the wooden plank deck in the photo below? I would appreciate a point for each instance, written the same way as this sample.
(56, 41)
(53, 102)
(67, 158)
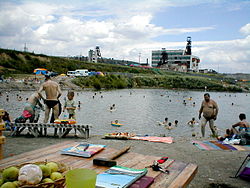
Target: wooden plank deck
(181, 174)
(35, 129)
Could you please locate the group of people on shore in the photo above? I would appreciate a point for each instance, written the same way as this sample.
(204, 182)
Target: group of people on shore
(209, 109)
(51, 102)
(207, 115)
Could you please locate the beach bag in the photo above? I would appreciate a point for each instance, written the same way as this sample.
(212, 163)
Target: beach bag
(245, 173)
(245, 138)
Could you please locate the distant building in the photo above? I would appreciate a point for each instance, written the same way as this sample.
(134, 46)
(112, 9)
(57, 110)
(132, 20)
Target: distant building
(176, 60)
(93, 56)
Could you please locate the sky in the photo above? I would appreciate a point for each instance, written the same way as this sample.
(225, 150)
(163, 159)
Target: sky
(131, 29)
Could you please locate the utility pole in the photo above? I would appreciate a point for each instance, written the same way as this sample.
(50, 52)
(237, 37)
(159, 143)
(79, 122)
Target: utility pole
(140, 58)
(25, 49)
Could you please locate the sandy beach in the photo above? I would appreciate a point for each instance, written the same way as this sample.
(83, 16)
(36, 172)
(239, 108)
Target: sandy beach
(214, 167)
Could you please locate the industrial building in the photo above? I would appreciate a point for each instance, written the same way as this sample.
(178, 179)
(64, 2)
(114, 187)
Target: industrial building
(176, 60)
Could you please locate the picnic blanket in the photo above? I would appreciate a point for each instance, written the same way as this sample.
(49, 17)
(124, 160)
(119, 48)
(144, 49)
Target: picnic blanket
(132, 136)
(219, 145)
(119, 135)
(167, 140)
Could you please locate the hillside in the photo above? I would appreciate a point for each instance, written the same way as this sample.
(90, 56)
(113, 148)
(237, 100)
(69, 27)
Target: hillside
(117, 76)
(12, 61)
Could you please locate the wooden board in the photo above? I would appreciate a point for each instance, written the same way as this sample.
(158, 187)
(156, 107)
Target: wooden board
(180, 173)
(64, 129)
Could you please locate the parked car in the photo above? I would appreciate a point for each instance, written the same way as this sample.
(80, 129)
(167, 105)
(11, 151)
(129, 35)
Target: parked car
(52, 74)
(71, 73)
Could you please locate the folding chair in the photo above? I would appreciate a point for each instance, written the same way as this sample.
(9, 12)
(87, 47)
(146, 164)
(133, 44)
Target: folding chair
(245, 173)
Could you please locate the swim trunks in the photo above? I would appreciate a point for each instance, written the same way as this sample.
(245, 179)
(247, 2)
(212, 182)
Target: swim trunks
(51, 103)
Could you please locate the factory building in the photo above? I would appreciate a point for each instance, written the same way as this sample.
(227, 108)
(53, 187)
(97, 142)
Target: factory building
(176, 60)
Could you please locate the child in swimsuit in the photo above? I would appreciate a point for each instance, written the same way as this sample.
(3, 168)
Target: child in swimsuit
(70, 106)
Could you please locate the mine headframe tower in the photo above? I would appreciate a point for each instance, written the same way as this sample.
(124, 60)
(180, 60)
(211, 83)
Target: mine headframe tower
(164, 58)
(188, 47)
(94, 55)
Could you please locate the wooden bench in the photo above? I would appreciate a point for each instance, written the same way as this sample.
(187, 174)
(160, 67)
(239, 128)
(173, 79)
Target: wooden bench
(180, 173)
(36, 129)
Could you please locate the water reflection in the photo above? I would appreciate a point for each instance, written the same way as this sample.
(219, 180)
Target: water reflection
(140, 109)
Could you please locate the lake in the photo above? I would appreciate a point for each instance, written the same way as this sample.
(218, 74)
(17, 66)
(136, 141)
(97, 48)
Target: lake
(140, 109)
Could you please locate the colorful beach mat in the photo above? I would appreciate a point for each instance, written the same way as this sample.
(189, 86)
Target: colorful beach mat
(167, 140)
(218, 145)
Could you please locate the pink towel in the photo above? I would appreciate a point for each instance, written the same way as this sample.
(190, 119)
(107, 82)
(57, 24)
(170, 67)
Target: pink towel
(168, 140)
(26, 114)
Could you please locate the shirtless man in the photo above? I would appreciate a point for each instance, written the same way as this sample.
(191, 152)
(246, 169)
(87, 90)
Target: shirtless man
(243, 125)
(209, 109)
(52, 92)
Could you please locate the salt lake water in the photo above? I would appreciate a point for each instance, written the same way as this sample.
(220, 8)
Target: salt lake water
(140, 109)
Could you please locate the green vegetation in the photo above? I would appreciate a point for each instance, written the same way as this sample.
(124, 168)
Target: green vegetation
(117, 76)
(157, 81)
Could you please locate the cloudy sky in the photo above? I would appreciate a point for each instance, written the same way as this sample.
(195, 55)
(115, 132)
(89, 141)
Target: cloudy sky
(220, 29)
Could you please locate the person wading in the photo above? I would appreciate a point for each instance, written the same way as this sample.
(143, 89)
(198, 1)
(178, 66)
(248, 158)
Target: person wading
(209, 109)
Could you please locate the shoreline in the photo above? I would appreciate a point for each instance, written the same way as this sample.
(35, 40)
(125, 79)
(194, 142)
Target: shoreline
(66, 84)
(214, 167)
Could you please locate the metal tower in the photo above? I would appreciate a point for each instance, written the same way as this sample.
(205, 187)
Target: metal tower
(164, 57)
(188, 47)
(25, 49)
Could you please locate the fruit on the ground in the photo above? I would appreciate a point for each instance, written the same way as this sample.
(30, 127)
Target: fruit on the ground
(10, 174)
(8, 185)
(56, 175)
(30, 174)
(46, 170)
(53, 166)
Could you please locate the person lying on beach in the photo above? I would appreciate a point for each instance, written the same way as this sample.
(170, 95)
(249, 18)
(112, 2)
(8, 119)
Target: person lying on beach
(242, 132)
(229, 135)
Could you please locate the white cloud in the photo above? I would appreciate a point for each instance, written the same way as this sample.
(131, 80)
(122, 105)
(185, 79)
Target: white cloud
(122, 29)
(245, 29)
(227, 56)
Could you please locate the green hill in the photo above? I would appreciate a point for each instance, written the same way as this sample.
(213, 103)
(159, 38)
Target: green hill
(12, 61)
(117, 76)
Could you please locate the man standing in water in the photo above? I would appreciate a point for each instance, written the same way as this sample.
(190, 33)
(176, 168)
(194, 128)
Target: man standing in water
(209, 109)
(52, 92)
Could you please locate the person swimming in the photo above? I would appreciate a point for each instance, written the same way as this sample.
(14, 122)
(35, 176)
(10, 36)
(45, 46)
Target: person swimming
(169, 126)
